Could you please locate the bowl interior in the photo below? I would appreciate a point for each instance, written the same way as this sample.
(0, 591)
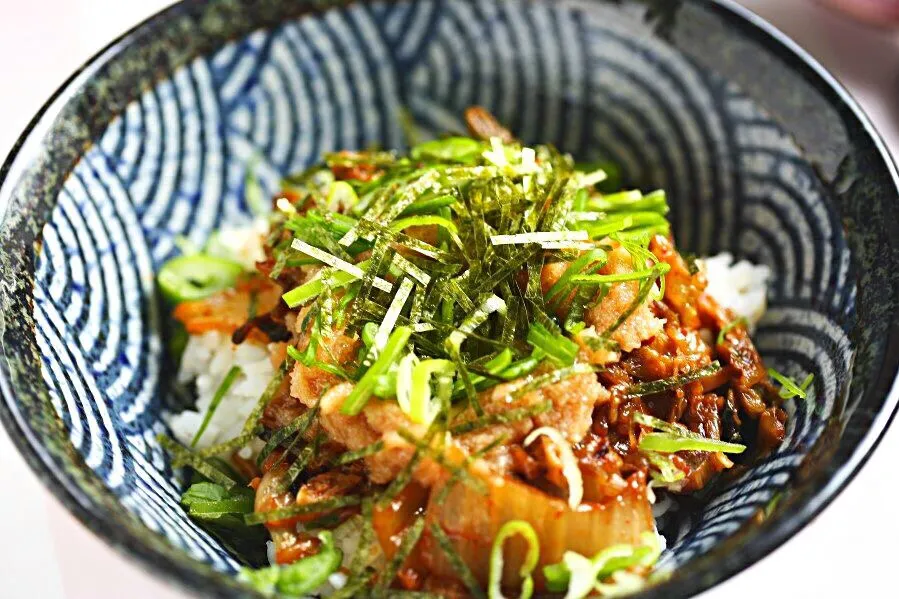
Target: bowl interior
(759, 154)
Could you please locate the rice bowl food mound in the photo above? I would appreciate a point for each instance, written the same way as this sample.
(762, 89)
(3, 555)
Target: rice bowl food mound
(472, 370)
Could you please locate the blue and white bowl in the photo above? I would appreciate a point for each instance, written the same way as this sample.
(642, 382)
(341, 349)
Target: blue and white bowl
(762, 152)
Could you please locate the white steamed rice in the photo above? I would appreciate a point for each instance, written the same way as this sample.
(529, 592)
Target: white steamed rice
(740, 286)
(207, 359)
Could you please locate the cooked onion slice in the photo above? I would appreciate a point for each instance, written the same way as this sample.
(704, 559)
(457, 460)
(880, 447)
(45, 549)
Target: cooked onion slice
(570, 469)
(472, 521)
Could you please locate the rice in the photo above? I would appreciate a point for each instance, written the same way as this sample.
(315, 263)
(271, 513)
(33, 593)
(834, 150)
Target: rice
(740, 286)
(207, 359)
(243, 244)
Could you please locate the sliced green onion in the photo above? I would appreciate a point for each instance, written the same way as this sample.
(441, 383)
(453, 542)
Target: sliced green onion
(301, 577)
(194, 277)
(668, 443)
(666, 471)
(495, 367)
(558, 348)
(631, 201)
(593, 178)
(423, 221)
(341, 195)
(509, 529)
(220, 393)
(676, 437)
(395, 346)
(312, 289)
(520, 369)
(581, 575)
(368, 333)
(414, 387)
(450, 149)
(429, 205)
(789, 387)
(739, 322)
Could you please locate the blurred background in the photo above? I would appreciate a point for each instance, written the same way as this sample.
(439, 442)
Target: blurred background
(46, 553)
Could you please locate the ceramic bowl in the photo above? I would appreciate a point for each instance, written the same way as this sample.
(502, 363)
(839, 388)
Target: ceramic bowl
(763, 155)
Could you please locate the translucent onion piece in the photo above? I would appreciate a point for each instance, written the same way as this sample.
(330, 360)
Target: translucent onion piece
(570, 469)
(472, 521)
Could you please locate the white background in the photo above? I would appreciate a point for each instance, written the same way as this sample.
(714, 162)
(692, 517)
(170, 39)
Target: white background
(44, 552)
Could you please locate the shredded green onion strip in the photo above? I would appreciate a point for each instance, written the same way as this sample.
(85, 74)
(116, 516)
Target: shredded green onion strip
(789, 387)
(676, 437)
(393, 349)
(738, 322)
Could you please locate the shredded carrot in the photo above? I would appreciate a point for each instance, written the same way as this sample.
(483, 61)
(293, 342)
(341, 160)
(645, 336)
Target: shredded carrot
(227, 310)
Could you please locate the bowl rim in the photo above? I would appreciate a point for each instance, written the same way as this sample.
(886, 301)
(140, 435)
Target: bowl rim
(707, 573)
